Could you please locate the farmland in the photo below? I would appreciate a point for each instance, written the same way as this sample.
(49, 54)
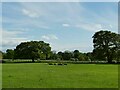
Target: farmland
(42, 75)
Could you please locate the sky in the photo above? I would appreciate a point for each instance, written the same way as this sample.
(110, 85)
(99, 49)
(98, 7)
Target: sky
(65, 25)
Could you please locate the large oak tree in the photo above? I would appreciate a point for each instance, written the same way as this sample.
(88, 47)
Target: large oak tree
(106, 45)
(32, 50)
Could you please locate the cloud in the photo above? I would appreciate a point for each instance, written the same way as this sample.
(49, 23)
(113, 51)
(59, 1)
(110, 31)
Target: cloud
(49, 37)
(110, 26)
(77, 16)
(90, 27)
(10, 39)
(45, 37)
(56, 13)
(29, 13)
(12, 42)
(65, 25)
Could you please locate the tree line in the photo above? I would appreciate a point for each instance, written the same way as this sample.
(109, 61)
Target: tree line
(106, 48)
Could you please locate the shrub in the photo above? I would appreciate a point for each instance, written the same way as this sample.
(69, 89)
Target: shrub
(72, 59)
(54, 63)
(60, 64)
(2, 61)
(50, 63)
(65, 63)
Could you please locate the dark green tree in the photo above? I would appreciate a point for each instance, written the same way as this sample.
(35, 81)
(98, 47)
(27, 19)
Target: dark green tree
(32, 50)
(1, 54)
(9, 54)
(76, 54)
(67, 55)
(60, 55)
(53, 55)
(90, 56)
(106, 43)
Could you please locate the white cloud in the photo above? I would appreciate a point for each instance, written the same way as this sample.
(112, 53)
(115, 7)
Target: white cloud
(65, 25)
(52, 14)
(49, 37)
(29, 13)
(45, 37)
(90, 27)
(12, 42)
(10, 39)
(110, 26)
(72, 13)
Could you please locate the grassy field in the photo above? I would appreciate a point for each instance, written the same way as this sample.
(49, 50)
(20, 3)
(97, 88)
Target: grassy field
(0, 76)
(0, 55)
(42, 75)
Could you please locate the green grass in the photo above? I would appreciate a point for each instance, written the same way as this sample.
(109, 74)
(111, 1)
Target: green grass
(0, 55)
(42, 75)
(0, 76)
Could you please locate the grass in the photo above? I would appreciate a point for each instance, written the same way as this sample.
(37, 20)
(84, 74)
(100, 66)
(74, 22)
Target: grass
(0, 55)
(0, 76)
(42, 75)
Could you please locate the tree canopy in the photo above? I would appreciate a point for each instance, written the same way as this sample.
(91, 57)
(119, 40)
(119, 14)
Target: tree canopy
(9, 54)
(106, 45)
(1, 54)
(32, 50)
(106, 48)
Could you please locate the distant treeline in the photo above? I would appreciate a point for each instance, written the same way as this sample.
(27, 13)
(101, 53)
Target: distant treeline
(106, 48)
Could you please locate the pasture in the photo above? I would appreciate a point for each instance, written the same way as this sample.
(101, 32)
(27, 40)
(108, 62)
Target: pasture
(0, 76)
(42, 75)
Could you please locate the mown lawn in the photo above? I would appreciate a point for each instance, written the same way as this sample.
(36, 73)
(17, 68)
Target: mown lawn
(0, 76)
(42, 75)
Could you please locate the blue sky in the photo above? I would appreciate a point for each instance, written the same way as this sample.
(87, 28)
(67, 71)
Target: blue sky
(65, 25)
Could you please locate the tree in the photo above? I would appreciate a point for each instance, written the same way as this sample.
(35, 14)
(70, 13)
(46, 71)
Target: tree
(32, 50)
(60, 55)
(1, 54)
(10, 54)
(106, 43)
(76, 54)
(90, 56)
(67, 55)
(53, 55)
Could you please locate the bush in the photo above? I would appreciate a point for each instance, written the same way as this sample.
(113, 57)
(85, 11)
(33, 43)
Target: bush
(2, 61)
(50, 63)
(54, 63)
(65, 63)
(60, 64)
(72, 59)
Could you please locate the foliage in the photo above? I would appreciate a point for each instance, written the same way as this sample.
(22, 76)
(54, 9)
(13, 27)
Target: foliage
(32, 50)
(60, 55)
(53, 55)
(1, 54)
(106, 45)
(67, 55)
(76, 53)
(106, 48)
(9, 54)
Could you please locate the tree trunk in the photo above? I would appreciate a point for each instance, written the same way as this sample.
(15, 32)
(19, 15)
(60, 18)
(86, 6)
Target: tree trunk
(46, 56)
(33, 60)
(109, 59)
